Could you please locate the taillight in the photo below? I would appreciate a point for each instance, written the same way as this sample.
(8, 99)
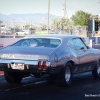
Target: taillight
(39, 65)
(44, 65)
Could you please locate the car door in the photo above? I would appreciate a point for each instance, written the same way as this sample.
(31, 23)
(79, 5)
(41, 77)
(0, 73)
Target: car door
(84, 53)
(86, 57)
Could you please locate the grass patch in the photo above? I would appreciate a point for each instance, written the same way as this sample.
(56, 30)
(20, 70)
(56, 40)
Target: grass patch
(41, 32)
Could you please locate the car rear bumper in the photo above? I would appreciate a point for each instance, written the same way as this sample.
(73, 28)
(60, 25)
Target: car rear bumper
(29, 66)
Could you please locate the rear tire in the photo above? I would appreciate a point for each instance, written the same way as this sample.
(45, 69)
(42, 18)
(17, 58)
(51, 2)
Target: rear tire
(12, 77)
(66, 75)
(96, 71)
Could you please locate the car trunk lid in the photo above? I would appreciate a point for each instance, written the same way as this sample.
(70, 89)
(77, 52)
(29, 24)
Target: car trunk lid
(26, 53)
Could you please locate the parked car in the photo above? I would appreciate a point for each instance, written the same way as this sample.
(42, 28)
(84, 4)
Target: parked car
(53, 33)
(8, 32)
(23, 32)
(3, 32)
(61, 56)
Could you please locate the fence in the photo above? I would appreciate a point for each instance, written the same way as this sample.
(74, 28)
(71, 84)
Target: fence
(7, 41)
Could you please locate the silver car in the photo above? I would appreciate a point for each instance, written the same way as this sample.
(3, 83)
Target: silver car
(61, 56)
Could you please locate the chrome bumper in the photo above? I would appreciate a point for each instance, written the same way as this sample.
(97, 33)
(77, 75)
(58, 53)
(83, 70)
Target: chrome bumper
(5, 64)
(26, 62)
(30, 66)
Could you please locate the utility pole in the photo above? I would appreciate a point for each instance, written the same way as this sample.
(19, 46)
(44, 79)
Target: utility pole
(14, 25)
(0, 26)
(48, 16)
(65, 9)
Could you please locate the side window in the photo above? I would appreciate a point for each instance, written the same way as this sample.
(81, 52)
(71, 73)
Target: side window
(79, 44)
(71, 44)
(54, 42)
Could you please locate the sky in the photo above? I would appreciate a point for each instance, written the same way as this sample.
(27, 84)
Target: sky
(56, 6)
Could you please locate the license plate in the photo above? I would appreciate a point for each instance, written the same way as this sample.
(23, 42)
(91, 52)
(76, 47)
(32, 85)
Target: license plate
(19, 66)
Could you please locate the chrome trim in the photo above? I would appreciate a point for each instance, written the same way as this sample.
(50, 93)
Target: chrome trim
(56, 47)
(98, 68)
(8, 66)
(30, 62)
(27, 66)
(67, 74)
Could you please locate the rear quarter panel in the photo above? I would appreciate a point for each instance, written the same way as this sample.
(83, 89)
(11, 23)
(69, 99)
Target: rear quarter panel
(96, 53)
(63, 54)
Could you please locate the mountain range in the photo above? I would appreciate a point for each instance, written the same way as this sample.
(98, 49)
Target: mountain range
(23, 19)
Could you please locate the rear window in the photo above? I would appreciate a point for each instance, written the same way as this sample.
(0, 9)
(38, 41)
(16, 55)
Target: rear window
(38, 42)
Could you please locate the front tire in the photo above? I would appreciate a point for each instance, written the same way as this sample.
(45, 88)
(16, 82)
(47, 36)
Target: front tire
(96, 71)
(66, 75)
(12, 77)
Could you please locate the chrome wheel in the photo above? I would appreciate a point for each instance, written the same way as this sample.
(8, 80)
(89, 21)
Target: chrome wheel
(98, 68)
(67, 74)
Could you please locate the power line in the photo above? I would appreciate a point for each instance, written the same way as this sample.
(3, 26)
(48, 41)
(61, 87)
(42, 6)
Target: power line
(83, 8)
(79, 8)
(60, 2)
(65, 11)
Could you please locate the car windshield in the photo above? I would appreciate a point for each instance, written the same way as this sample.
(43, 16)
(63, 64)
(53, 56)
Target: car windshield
(38, 42)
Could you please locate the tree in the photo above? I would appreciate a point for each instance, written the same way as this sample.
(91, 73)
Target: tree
(64, 23)
(55, 24)
(44, 27)
(27, 26)
(17, 26)
(80, 18)
(99, 21)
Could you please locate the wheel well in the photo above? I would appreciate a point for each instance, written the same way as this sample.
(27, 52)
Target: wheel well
(99, 59)
(70, 62)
